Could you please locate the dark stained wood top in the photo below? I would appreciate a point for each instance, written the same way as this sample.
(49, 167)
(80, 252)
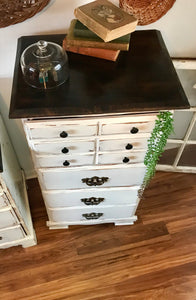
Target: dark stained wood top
(142, 79)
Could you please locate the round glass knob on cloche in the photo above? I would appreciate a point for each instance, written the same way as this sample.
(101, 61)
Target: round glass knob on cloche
(44, 65)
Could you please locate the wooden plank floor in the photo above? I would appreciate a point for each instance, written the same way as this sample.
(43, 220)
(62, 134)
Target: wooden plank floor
(155, 259)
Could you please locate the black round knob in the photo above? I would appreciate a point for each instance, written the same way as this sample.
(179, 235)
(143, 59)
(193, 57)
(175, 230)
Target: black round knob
(134, 130)
(128, 146)
(63, 134)
(66, 163)
(65, 150)
(125, 159)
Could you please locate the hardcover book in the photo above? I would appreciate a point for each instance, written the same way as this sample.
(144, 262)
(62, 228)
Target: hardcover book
(105, 19)
(90, 42)
(94, 52)
(80, 30)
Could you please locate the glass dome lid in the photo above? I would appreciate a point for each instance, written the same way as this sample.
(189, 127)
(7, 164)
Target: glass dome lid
(44, 65)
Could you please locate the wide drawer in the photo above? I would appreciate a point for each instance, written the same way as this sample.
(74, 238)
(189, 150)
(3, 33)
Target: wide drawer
(128, 144)
(131, 128)
(7, 218)
(58, 129)
(65, 147)
(3, 200)
(98, 213)
(63, 161)
(11, 234)
(122, 157)
(97, 177)
(91, 197)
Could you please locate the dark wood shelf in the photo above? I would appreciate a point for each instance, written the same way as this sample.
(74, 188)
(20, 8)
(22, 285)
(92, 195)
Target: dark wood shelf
(142, 79)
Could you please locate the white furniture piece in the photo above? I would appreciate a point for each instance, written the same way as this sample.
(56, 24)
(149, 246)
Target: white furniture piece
(90, 169)
(15, 219)
(88, 137)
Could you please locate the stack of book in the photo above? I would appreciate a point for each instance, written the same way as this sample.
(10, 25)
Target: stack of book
(100, 29)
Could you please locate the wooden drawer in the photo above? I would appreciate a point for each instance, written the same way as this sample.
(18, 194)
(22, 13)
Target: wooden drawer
(131, 128)
(65, 147)
(7, 218)
(3, 200)
(11, 234)
(128, 144)
(58, 129)
(89, 213)
(48, 161)
(91, 197)
(121, 157)
(59, 178)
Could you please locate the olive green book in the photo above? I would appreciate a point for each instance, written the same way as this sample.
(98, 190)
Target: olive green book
(92, 42)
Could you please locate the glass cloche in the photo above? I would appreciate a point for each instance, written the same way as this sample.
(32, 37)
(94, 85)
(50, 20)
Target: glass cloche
(44, 65)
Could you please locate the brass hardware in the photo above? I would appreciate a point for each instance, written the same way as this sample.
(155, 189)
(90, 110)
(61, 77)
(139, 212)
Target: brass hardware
(92, 216)
(92, 201)
(93, 181)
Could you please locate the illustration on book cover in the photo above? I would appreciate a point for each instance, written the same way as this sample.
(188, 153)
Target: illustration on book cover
(107, 13)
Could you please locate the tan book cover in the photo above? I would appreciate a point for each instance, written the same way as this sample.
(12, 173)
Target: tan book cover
(94, 52)
(72, 40)
(106, 19)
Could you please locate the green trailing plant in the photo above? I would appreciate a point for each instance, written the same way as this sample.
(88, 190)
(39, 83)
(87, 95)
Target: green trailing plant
(156, 144)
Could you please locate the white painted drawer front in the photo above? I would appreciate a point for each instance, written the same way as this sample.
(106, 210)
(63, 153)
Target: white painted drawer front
(11, 234)
(122, 157)
(90, 197)
(63, 161)
(126, 128)
(98, 213)
(3, 200)
(7, 218)
(55, 129)
(73, 178)
(65, 147)
(123, 144)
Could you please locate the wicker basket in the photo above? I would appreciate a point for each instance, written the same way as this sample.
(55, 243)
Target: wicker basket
(146, 11)
(16, 11)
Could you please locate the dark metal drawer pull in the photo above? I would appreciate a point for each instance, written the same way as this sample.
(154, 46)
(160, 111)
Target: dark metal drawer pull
(128, 146)
(63, 134)
(1, 238)
(125, 159)
(65, 150)
(134, 130)
(66, 163)
(92, 216)
(95, 180)
(92, 201)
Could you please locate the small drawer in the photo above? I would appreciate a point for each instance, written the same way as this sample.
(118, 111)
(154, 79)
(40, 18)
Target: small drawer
(64, 147)
(90, 197)
(90, 214)
(58, 129)
(127, 128)
(11, 234)
(50, 161)
(72, 178)
(7, 218)
(124, 144)
(3, 200)
(121, 158)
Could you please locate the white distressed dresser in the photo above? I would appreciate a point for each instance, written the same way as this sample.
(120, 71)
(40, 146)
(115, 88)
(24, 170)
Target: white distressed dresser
(88, 137)
(15, 219)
